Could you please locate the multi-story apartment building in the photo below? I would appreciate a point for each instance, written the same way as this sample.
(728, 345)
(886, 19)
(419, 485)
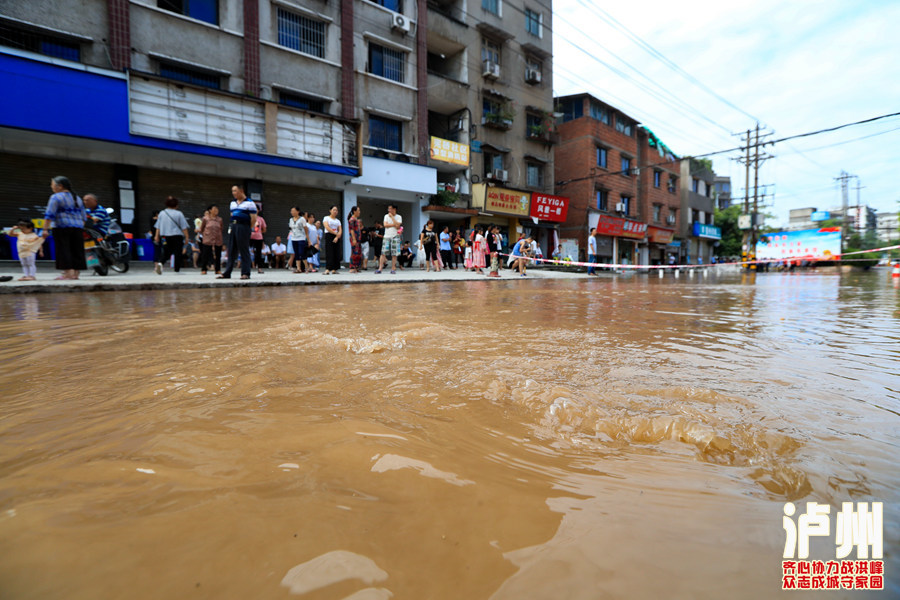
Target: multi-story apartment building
(699, 234)
(307, 104)
(313, 104)
(490, 117)
(621, 179)
(723, 192)
(888, 227)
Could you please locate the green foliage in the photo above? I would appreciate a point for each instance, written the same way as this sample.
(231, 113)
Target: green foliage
(732, 237)
(444, 198)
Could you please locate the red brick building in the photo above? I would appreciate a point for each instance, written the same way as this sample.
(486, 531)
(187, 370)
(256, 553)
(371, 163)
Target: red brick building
(620, 178)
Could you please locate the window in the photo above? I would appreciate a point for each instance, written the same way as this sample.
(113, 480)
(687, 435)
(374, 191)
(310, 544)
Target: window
(534, 126)
(695, 215)
(533, 70)
(533, 22)
(40, 43)
(657, 212)
(657, 178)
(626, 166)
(387, 63)
(673, 184)
(497, 114)
(394, 5)
(192, 76)
(601, 157)
(626, 205)
(571, 109)
(300, 33)
(492, 161)
(492, 6)
(602, 198)
(385, 133)
(599, 113)
(301, 102)
(534, 175)
(490, 50)
(623, 126)
(695, 186)
(202, 10)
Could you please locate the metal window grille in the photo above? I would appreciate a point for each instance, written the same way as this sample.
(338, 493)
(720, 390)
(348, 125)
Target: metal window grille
(40, 43)
(385, 133)
(190, 76)
(490, 51)
(301, 102)
(386, 62)
(300, 33)
(535, 175)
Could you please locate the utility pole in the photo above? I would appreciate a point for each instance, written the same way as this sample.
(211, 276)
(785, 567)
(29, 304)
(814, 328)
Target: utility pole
(845, 202)
(751, 234)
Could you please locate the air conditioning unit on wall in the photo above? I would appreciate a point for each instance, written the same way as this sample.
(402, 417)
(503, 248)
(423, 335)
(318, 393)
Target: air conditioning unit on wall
(670, 219)
(400, 22)
(532, 76)
(499, 174)
(620, 207)
(491, 70)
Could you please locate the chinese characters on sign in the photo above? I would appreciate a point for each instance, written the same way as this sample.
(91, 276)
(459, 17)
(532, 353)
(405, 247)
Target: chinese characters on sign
(658, 235)
(617, 227)
(860, 528)
(451, 152)
(511, 202)
(549, 208)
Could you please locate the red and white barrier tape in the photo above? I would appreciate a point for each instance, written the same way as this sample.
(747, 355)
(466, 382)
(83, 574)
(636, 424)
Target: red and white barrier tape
(719, 264)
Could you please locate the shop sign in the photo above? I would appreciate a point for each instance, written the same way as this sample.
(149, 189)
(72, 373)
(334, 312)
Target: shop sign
(450, 152)
(658, 235)
(549, 208)
(617, 227)
(711, 232)
(511, 202)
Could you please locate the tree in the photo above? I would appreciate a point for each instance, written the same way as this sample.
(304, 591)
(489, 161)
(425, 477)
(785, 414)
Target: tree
(732, 236)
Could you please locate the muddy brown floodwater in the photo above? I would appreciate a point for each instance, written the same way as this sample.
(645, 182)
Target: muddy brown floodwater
(630, 438)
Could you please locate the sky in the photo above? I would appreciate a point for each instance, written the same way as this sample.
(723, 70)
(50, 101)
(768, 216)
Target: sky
(696, 71)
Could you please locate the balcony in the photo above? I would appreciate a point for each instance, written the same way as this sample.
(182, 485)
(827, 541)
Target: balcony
(446, 95)
(497, 121)
(447, 21)
(541, 133)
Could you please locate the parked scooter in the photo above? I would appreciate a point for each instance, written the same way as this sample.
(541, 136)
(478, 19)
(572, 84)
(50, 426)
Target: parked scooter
(103, 253)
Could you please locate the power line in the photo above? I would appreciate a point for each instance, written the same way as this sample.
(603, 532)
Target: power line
(729, 150)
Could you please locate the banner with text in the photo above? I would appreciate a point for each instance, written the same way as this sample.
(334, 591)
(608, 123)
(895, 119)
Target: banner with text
(549, 208)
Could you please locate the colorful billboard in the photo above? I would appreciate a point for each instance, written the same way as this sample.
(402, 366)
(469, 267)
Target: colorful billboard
(510, 202)
(819, 244)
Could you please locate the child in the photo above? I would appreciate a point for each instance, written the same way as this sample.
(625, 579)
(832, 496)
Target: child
(27, 244)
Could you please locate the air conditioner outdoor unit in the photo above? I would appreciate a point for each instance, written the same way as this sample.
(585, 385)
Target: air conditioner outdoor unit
(670, 219)
(620, 207)
(400, 22)
(499, 174)
(532, 76)
(491, 70)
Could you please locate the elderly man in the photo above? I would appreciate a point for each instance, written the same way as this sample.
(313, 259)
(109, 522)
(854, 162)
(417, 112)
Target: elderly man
(97, 217)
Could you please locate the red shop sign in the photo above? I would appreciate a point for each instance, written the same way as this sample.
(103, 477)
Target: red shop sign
(617, 227)
(549, 208)
(658, 235)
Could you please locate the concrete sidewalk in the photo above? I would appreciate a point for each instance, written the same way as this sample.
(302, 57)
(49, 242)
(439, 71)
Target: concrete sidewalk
(142, 277)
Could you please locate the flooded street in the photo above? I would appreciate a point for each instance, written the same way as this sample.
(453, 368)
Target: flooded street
(604, 438)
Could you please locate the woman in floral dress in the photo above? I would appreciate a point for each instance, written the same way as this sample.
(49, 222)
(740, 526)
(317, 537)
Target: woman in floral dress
(355, 241)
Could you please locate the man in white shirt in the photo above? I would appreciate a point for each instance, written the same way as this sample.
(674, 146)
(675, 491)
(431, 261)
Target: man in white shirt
(592, 250)
(279, 253)
(393, 226)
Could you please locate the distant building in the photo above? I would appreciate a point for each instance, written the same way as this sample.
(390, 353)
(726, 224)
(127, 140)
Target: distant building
(699, 234)
(887, 225)
(861, 219)
(722, 186)
(801, 218)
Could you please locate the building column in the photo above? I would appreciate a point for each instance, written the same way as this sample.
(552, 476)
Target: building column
(348, 100)
(251, 47)
(119, 34)
(349, 200)
(422, 138)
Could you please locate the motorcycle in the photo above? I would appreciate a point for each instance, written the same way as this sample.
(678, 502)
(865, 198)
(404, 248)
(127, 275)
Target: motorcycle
(112, 251)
